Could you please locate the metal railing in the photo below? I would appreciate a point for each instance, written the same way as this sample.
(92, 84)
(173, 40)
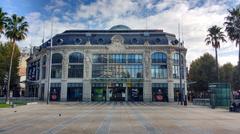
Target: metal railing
(20, 100)
(201, 102)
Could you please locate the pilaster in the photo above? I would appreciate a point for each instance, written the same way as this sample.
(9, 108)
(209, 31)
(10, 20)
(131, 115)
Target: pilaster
(87, 90)
(147, 91)
(170, 75)
(147, 85)
(87, 86)
(64, 76)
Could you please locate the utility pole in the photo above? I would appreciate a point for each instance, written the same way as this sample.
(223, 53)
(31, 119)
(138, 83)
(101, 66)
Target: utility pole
(180, 67)
(50, 65)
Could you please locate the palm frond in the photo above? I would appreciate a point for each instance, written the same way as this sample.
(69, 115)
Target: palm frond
(17, 28)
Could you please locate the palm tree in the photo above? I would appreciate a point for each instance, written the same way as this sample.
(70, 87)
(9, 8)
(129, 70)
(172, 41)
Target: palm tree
(16, 30)
(233, 27)
(215, 35)
(2, 20)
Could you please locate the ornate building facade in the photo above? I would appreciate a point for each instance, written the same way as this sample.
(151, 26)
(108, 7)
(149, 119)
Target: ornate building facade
(119, 64)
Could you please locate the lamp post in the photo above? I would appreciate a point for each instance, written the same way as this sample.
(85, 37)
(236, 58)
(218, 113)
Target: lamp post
(50, 66)
(180, 73)
(182, 89)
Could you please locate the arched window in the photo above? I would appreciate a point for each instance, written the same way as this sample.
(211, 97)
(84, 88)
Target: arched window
(159, 65)
(159, 57)
(76, 58)
(56, 71)
(176, 68)
(44, 63)
(75, 68)
(56, 58)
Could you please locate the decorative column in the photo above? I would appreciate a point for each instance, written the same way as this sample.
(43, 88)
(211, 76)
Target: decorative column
(40, 77)
(170, 75)
(64, 76)
(126, 93)
(107, 93)
(87, 88)
(147, 85)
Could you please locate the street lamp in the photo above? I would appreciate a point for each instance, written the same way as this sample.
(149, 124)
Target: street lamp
(183, 97)
(50, 65)
(180, 72)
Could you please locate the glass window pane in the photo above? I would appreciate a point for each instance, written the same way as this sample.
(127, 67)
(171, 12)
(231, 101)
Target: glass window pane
(159, 71)
(159, 57)
(76, 58)
(75, 71)
(56, 71)
(57, 58)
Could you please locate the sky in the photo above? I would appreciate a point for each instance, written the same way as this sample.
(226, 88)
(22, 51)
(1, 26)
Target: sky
(193, 16)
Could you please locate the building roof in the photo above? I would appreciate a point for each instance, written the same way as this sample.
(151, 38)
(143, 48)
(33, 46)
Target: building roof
(103, 37)
(120, 27)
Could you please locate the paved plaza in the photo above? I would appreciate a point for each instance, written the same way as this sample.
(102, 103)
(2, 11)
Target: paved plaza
(117, 117)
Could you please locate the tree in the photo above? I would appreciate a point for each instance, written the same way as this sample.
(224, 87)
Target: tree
(5, 55)
(2, 20)
(226, 73)
(202, 71)
(214, 37)
(232, 27)
(16, 30)
(236, 79)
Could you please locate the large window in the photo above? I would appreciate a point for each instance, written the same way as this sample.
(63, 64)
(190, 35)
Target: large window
(33, 70)
(117, 58)
(55, 92)
(56, 71)
(33, 90)
(135, 58)
(100, 58)
(42, 92)
(44, 63)
(118, 71)
(159, 57)
(135, 92)
(177, 91)
(117, 66)
(160, 92)
(75, 67)
(176, 68)
(159, 65)
(74, 92)
(99, 92)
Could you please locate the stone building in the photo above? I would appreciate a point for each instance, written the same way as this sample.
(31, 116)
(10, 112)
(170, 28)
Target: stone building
(119, 64)
(22, 69)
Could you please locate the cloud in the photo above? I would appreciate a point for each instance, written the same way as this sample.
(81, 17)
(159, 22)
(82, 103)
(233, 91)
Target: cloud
(55, 6)
(195, 17)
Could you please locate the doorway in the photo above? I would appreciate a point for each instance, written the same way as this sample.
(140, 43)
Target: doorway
(135, 94)
(117, 94)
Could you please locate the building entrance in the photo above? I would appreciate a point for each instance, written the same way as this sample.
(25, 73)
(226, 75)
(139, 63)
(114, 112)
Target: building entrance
(117, 94)
(99, 92)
